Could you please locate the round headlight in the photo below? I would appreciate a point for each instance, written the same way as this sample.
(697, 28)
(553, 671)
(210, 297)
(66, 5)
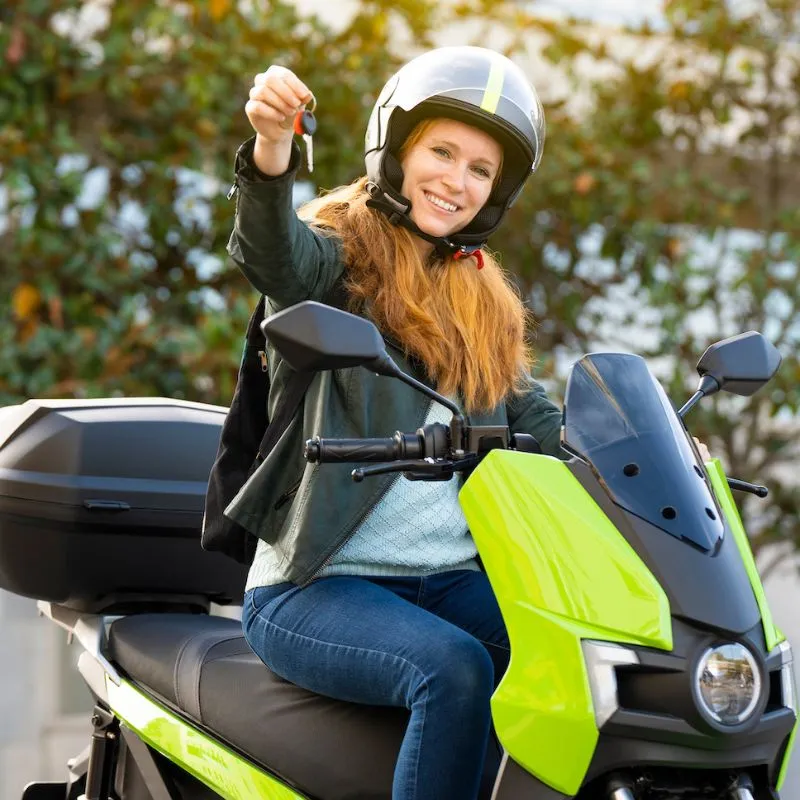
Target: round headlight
(728, 684)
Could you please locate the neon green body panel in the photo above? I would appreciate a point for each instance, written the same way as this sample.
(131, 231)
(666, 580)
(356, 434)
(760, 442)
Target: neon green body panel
(227, 773)
(562, 573)
(719, 483)
(772, 636)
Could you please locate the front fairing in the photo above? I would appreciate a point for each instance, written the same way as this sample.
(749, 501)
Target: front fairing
(581, 553)
(618, 420)
(561, 574)
(638, 457)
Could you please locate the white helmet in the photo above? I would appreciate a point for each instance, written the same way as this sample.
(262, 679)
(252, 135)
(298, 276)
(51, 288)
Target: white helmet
(474, 85)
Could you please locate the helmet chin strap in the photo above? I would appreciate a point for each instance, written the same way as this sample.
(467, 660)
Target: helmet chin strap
(398, 215)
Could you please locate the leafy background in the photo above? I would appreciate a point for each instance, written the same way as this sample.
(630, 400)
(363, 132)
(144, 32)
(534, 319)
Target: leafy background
(663, 217)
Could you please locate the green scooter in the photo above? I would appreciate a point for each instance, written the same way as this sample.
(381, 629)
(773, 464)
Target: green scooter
(645, 663)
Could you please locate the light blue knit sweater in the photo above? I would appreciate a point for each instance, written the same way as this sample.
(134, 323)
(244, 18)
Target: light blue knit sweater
(417, 528)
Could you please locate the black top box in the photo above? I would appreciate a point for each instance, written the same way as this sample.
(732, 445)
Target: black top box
(101, 503)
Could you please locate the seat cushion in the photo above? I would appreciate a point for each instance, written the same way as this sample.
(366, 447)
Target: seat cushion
(203, 666)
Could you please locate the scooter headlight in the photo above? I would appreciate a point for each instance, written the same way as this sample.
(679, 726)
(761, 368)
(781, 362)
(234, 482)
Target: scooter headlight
(728, 684)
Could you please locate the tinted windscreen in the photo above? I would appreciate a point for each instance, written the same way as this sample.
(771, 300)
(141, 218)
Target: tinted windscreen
(618, 418)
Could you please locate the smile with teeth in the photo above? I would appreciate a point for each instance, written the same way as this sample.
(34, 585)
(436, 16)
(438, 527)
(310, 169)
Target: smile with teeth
(439, 203)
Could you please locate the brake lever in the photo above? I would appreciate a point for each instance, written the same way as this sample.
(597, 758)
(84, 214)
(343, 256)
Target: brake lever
(360, 473)
(417, 470)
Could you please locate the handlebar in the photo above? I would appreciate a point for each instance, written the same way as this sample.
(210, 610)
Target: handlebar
(432, 443)
(395, 448)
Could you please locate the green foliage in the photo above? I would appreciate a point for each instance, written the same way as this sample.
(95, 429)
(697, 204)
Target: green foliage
(666, 218)
(663, 216)
(127, 291)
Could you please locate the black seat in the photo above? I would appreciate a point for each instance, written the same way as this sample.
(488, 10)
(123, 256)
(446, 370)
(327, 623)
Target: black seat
(203, 666)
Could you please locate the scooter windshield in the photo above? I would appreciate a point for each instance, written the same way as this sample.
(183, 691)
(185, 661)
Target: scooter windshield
(619, 419)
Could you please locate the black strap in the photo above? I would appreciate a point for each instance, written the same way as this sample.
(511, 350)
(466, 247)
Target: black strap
(291, 397)
(246, 423)
(444, 246)
(296, 386)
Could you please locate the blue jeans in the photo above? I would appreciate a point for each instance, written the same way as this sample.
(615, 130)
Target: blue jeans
(434, 645)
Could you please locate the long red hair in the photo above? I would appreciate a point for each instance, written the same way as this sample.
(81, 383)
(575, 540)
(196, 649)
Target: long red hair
(466, 326)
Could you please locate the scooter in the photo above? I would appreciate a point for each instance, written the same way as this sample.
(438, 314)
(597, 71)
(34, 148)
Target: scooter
(645, 662)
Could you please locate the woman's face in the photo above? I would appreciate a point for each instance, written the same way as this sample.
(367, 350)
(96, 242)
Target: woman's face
(448, 176)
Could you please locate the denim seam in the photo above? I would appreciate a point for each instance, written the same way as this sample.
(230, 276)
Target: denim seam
(424, 715)
(343, 646)
(257, 610)
(417, 670)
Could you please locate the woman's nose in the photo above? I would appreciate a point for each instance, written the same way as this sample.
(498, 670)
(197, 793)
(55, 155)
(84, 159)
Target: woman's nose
(454, 178)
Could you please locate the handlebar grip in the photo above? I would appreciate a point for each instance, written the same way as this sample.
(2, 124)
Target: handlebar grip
(356, 451)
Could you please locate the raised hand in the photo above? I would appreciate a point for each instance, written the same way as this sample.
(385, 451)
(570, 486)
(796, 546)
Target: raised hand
(276, 97)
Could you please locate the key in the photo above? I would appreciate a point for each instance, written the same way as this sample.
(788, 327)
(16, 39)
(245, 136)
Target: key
(305, 125)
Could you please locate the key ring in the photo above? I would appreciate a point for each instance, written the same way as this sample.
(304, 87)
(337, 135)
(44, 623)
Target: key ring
(289, 121)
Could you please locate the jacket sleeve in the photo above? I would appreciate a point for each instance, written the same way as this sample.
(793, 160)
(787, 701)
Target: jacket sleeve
(282, 256)
(533, 412)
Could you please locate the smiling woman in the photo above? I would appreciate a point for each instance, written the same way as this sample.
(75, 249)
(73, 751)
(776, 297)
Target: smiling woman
(449, 170)
(379, 599)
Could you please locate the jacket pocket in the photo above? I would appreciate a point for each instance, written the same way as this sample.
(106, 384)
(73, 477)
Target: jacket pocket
(288, 495)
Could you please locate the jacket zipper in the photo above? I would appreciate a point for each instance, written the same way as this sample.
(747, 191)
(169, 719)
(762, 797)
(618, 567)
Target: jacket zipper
(350, 535)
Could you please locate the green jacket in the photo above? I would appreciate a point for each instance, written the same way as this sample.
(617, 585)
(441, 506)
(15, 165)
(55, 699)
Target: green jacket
(307, 511)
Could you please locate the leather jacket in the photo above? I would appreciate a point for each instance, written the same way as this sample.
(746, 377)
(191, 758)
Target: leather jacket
(303, 510)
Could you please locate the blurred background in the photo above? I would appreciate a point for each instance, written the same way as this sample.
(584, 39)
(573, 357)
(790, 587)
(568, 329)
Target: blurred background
(665, 216)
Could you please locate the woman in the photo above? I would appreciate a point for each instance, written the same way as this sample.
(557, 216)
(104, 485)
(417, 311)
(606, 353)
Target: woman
(371, 593)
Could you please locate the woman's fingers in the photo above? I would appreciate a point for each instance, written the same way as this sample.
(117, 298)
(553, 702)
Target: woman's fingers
(275, 98)
(267, 121)
(262, 111)
(271, 97)
(285, 83)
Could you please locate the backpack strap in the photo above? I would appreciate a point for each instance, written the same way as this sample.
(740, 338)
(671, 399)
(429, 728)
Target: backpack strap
(291, 397)
(297, 384)
(244, 424)
(237, 456)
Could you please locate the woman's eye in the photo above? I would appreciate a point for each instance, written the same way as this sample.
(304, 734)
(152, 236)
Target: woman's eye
(441, 151)
(482, 171)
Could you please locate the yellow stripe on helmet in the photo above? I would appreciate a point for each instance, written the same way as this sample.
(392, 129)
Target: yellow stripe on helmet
(494, 87)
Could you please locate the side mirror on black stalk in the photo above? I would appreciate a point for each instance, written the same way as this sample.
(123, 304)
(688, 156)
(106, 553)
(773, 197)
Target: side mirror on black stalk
(740, 364)
(312, 337)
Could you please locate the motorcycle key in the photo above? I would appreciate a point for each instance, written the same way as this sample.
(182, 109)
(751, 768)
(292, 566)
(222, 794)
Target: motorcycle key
(305, 125)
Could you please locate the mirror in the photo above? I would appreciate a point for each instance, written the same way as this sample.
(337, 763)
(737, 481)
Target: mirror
(312, 336)
(741, 364)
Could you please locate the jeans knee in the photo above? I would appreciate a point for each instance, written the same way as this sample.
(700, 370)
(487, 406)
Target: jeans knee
(464, 672)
